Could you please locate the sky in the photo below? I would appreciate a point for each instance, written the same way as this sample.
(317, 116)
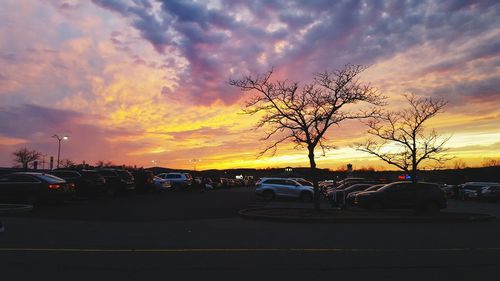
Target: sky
(144, 82)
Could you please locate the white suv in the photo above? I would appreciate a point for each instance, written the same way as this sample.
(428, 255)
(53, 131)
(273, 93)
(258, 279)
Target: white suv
(270, 188)
(177, 179)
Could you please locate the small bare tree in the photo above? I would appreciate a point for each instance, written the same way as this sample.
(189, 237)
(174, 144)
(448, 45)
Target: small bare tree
(66, 163)
(491, 162)
(400, 138)
(303, 115)
(25, 156)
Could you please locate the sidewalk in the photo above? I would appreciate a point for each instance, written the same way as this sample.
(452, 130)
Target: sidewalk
(296, 211)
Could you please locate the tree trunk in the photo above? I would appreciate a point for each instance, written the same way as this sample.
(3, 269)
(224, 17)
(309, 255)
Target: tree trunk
(414, 163)
(315, 179)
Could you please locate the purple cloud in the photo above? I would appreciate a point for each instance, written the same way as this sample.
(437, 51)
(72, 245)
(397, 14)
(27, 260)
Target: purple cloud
(319, 35)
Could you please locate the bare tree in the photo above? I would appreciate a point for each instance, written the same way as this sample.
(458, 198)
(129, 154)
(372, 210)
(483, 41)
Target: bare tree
(25, 156)
(459, 164)
(102, 164)
(66, 163)
(491, 162)
(304, 114)
(401, 139)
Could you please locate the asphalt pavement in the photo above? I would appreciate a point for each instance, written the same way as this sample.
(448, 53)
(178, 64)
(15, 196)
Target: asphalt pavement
(193, 235)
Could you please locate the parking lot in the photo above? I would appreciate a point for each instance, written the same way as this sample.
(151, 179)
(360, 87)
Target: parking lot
(197, 234)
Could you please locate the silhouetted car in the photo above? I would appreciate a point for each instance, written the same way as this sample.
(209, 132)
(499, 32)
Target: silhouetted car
(144, 181)
(472, 190)
(87, 183)
(270, 188)
(127, 179)
(337, 197)
(403, 195)
(491, 192)
(114, 183)
(352, 195)
(32, 188)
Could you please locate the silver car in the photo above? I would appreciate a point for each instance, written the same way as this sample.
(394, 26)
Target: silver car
(271, 188)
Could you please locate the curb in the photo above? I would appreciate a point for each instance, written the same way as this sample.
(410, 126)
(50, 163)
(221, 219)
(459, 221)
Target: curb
(452, 217)
(14, 208)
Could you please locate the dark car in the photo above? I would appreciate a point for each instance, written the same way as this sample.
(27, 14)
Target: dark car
(352, 195)
(403, 195)
(127, 179)
(144, 181)
(87, 183)
(338, 197)
(32, 188)
(491, 192)
(114, 182)
(473, 190)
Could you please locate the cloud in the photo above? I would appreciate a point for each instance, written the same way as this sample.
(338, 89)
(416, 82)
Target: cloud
(228, 39)
(33, 126)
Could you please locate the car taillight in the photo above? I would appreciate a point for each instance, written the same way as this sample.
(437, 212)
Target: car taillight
(71, 185)
(54, 186)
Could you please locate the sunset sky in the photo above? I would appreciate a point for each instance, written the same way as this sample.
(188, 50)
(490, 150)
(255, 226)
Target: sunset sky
(137, 81)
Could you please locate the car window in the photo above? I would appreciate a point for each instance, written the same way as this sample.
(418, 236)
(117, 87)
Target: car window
(394, 187)
(108, 173)
(18, 178)
(268, 182)
(65, 174)
(304, 182)
(173, 176)
(289, 182)
(50, 178)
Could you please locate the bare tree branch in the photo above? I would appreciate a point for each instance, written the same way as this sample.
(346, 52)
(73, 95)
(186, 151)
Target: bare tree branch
(403, 134)
(303, 115)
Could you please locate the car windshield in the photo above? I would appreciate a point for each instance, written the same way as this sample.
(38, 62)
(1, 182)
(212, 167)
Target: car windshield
(50, 178)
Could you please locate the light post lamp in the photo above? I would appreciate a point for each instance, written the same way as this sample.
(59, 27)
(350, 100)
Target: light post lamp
(59, 139)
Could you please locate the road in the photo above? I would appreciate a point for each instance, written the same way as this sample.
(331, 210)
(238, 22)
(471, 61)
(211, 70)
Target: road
(192, 235)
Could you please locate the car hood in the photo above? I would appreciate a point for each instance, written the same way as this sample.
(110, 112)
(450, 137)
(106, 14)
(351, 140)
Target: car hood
(367, 193)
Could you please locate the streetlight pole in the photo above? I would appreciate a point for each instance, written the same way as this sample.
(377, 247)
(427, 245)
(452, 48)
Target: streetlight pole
(59, 139)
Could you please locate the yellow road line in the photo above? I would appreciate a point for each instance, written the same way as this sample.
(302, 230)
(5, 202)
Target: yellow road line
(242, 250)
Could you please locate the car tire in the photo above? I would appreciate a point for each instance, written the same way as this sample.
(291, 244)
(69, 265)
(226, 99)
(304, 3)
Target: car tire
(306, 196)
(268, 195)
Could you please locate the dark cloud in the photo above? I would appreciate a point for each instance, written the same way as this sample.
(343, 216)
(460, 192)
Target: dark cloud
(319, 35)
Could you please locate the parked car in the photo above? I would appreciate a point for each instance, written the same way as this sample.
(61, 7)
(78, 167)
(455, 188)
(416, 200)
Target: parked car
(271, 188)
(162, 184)
(472, 190)
(491, 192)
(114, 182)
(352, 195)
(403, 195)
(178, 180)
(87, 183)
(338, 197)
(32, 188)
(144, 181)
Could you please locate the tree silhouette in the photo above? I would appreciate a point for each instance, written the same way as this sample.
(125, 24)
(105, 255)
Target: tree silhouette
(66, 163)
(304, 114)
(25, 156)
(400, 138)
